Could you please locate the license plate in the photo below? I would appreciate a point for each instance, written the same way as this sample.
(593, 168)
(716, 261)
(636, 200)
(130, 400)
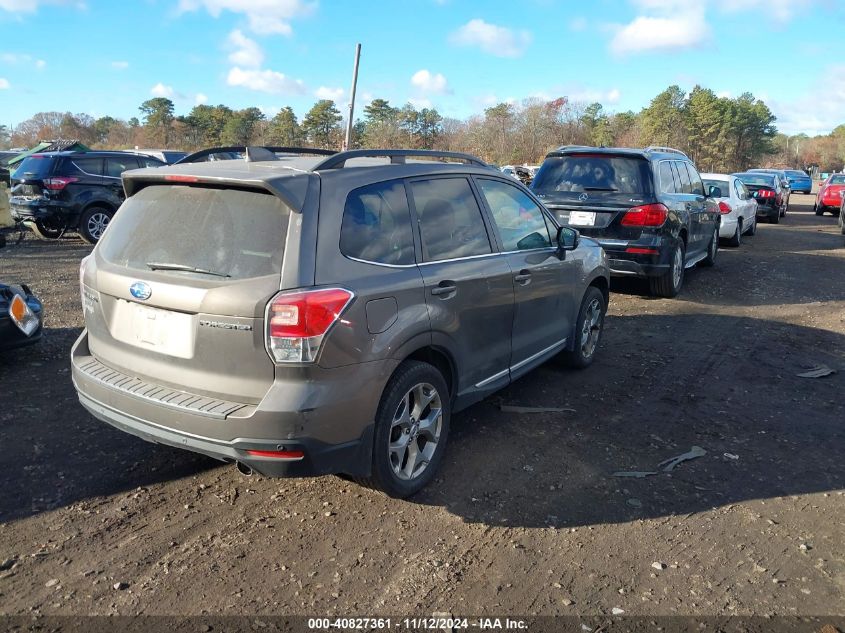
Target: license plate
(162, 331)
(582, 218)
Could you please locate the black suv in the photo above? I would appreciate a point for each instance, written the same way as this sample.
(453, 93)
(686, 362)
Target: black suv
(646, 207)
(54, 192)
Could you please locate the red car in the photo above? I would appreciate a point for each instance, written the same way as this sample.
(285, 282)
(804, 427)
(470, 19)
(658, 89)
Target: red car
(829, 197)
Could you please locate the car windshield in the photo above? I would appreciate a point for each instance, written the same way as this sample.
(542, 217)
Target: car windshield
(198, 230)
(763, 180)
(36, 166)
(837, 180)
(721, 184)
(593, 172)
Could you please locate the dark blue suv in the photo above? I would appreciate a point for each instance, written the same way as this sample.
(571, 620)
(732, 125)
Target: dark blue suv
(646, 207)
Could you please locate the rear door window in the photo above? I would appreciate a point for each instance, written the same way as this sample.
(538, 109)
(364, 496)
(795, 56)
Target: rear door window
(450, 220)
(686, 183)
(376, 225)
(697, 188)
(91, 166)
(116, 166)
(226, 232)
(520, 221)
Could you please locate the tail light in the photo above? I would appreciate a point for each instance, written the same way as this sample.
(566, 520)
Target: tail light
(764, 193)
(724, 208)
(297, 322)
(646, 215)
(59, 182)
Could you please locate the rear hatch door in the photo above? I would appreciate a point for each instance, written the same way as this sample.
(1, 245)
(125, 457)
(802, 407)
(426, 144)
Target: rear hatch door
(178, 287)
(28, 178)
(592, 191)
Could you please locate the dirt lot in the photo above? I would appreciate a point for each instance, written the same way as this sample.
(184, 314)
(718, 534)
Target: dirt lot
(525, 518)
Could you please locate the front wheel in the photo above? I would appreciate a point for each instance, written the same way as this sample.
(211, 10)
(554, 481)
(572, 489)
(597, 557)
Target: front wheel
(712, 249)
(411, 428)
(588, 329)
(669, 283)
(93, 223)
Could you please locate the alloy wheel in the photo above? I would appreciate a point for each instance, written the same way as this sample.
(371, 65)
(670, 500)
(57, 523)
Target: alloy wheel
(415, 431)
(591, 330)
(97, 224)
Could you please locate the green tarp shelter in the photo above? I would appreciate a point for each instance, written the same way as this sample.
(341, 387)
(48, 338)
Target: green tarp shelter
(50, 146)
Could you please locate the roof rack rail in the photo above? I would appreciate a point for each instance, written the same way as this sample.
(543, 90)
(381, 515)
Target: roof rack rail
(254, 153)
(397, 157)
(667, 150)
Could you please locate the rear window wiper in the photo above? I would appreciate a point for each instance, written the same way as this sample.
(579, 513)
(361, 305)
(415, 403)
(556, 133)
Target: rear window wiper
(184, 267)
(600, 189)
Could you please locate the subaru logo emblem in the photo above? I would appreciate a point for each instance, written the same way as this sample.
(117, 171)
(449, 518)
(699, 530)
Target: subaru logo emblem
(140, 290)
(583, 197)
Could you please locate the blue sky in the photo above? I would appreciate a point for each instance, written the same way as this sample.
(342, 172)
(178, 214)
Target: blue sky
(460, 56)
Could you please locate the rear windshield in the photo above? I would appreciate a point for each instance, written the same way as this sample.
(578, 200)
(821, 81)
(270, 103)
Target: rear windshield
(757, 179)
(34, 167)
(593, 172)
(797, 174)
(837, 180)
(223, 232)
(721, 184)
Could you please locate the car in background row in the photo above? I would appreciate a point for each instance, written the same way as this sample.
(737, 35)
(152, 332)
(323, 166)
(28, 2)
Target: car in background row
(21, 317)
(168, 156)
(736, 204)
(799, 181)
(829, 197)
(842, 216)
(5, 156)
(335, 326)
(766, 190)
(55, 192)
(782, 184)
(648, 209)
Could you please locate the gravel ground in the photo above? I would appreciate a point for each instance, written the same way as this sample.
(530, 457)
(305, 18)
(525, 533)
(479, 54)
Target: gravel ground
(526, 517)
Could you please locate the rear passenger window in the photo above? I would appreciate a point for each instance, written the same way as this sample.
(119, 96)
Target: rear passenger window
(451, 224)
(667, 181)
(518, 218)
(686, 183)
(695, 181)
(116, 166)
(93, 166)
(376, 225)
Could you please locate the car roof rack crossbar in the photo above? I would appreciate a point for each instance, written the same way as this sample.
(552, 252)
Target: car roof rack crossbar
(667, 150)
(396, 156)
(255, 152)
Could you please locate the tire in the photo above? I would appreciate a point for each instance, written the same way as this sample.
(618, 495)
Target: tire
(712, 250)
(412, 383)
(818, 209)
(93, 222)
(753, 230)
(46, 231)
(775, 219)
(736, 239)
(588, 330)
(669, 284)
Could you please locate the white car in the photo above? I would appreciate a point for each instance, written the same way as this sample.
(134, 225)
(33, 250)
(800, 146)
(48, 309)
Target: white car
(738, 207)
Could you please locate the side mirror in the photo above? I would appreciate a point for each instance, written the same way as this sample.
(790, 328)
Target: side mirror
(714, 192)
(567, 238)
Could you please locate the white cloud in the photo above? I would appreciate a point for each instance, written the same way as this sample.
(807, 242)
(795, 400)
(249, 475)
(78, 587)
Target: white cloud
(781, 11)
(4, 84)
(419, 104)
(613, 96)
(264, 16)
(808, 113)
(246, 52)
(14, 59)
(200, 99)
(31, 6)
(679, 29)
(428, 82)
(333, 94)
(120, 65)
(491, 38)
(265, 81)
(40, 64)
(160, 90)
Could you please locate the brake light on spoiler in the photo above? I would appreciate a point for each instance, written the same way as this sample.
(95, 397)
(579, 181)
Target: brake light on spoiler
(298, 321)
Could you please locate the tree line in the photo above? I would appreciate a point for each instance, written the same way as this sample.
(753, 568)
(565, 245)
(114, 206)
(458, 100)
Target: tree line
(719, 133)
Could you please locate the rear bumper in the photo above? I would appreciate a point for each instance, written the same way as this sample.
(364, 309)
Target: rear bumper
(626, 264)
(30, 210)
(767, 212)
(727, 227)
(12, 338)
(330, 419)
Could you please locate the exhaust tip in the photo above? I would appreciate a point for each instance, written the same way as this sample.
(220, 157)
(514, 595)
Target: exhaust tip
(244, 469)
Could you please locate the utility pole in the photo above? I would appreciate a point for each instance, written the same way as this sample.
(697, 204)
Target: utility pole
(348, 141)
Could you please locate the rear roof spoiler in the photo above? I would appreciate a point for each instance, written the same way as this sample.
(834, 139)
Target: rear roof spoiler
(253, 153)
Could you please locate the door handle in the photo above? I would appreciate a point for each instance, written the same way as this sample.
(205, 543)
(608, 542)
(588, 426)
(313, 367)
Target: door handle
(524, 277)
(445, 288)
